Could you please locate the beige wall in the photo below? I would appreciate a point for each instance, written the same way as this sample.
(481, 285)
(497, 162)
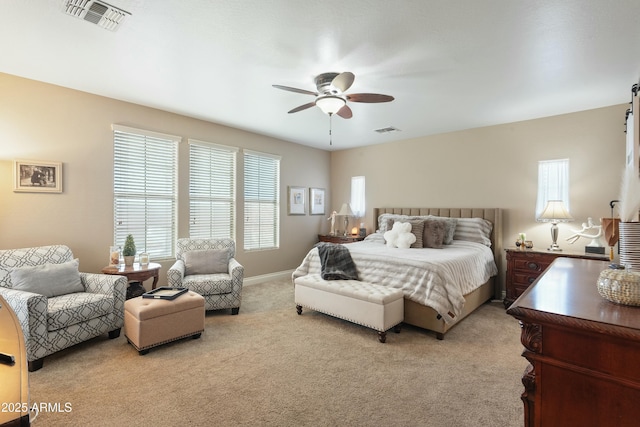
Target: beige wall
(487, 167)
(495, 167)
(44, 122)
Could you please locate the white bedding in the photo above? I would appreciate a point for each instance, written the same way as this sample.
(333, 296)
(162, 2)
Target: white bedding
(438, 278)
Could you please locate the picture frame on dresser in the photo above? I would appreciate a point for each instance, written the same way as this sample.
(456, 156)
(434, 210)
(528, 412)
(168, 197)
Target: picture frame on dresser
(296, 200)
(37, 176)
(316, 201)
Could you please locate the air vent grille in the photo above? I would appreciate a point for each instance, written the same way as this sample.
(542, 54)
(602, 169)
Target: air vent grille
(387, 129)
(97, 12)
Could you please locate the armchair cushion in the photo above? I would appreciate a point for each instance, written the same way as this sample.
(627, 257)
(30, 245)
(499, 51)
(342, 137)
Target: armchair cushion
(209, 284)
(207, 261)
(67, 310)
(49, 280)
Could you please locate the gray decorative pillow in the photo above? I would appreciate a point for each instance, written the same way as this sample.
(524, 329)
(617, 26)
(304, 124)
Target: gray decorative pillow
(49, 280)
(206, 261)
(386, 220)
(434, 233)
(450, 227)
(417, 229)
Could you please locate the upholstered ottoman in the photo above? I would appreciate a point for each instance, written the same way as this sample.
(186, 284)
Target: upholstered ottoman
(150, 322)
(367, 304)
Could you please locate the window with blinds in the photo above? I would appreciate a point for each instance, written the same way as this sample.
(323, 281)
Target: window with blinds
(212, 184)
(145, 190)
(261, 200)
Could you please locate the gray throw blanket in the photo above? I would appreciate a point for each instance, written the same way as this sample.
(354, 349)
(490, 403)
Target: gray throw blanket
(336, 262)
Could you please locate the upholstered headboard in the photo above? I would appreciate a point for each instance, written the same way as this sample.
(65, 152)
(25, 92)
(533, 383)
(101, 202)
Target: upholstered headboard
(494, 215)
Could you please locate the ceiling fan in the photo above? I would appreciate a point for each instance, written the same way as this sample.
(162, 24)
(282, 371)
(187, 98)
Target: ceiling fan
(331, 97)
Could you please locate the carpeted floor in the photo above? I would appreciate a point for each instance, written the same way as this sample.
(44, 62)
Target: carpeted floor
(270, 367)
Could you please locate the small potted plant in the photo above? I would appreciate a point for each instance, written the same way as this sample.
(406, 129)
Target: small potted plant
(129, 250)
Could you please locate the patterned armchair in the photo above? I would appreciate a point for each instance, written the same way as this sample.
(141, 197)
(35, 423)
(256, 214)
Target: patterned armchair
(195, 269)
(52, 323)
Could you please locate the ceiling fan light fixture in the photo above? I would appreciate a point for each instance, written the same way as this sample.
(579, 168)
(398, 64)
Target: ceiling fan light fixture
(330, 104)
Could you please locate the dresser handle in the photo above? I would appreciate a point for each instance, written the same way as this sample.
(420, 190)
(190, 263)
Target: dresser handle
(533, 266)
(531, 280)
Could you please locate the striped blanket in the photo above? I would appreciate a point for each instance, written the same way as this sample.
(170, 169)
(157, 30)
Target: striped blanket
(438, 278)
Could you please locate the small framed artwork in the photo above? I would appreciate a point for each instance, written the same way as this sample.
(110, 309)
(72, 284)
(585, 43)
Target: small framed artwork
(37, 176)
(297, 201)
(316, 200)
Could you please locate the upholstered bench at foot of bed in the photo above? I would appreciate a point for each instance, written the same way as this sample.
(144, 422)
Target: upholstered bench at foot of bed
(375, 306)
(151, 322)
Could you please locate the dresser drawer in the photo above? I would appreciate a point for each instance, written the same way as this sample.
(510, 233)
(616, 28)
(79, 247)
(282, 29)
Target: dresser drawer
(530, 264)
(525, 279)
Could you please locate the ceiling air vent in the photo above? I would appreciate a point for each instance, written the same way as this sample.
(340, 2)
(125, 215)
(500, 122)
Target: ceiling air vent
(387, 129)
(97, 12)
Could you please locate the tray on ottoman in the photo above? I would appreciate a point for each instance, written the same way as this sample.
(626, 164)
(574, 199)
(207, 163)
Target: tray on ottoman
(165, 292)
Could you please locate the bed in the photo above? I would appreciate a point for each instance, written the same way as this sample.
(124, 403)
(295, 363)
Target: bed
(441, 286)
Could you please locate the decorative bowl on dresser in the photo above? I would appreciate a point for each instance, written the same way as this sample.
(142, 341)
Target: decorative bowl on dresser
(524, 266)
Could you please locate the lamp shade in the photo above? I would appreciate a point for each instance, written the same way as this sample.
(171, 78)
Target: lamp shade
(345, 210)
(330, 104)
(555, 212)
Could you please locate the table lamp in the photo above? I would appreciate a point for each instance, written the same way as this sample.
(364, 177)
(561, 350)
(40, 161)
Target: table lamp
(346, 212)
(554, 213)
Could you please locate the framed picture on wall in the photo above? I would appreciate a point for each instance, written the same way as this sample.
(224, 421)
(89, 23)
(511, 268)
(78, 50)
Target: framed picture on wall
(316, 200)
(296, 202)
(37, 176)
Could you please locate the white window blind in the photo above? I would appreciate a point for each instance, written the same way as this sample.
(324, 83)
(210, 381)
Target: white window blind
(145, 190)
(553, 183)
(212, 190)
(261, 200)
(357, 196)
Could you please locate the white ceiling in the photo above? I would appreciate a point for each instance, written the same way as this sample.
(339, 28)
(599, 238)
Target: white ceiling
(450, 65)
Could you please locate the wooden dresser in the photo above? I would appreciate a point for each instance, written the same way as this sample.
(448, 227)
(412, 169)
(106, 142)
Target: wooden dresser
(14, 378)
(524, 267)
(584, 351)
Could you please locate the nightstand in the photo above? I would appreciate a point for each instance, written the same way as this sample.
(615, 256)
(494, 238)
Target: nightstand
(524, 267)
(339, 239)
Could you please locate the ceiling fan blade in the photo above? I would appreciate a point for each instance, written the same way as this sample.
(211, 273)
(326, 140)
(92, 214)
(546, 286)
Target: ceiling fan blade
(369, 97)
(293, 89)
(345, 112)
(303, 107)
(343, 81)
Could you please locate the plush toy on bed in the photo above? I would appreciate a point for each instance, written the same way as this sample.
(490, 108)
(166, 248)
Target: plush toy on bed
(400, 236)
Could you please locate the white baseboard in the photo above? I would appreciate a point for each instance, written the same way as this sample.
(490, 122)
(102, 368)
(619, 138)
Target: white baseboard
(254, 280)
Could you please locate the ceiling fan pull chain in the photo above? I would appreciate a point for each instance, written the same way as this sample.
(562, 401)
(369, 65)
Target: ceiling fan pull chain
(330, 130)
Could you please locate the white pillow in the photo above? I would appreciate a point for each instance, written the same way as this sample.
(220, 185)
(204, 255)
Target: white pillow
(375, 238)
(474, 230)
(50, 280)
(206, 261)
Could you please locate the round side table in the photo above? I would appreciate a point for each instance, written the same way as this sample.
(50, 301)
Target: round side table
(135, 273)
